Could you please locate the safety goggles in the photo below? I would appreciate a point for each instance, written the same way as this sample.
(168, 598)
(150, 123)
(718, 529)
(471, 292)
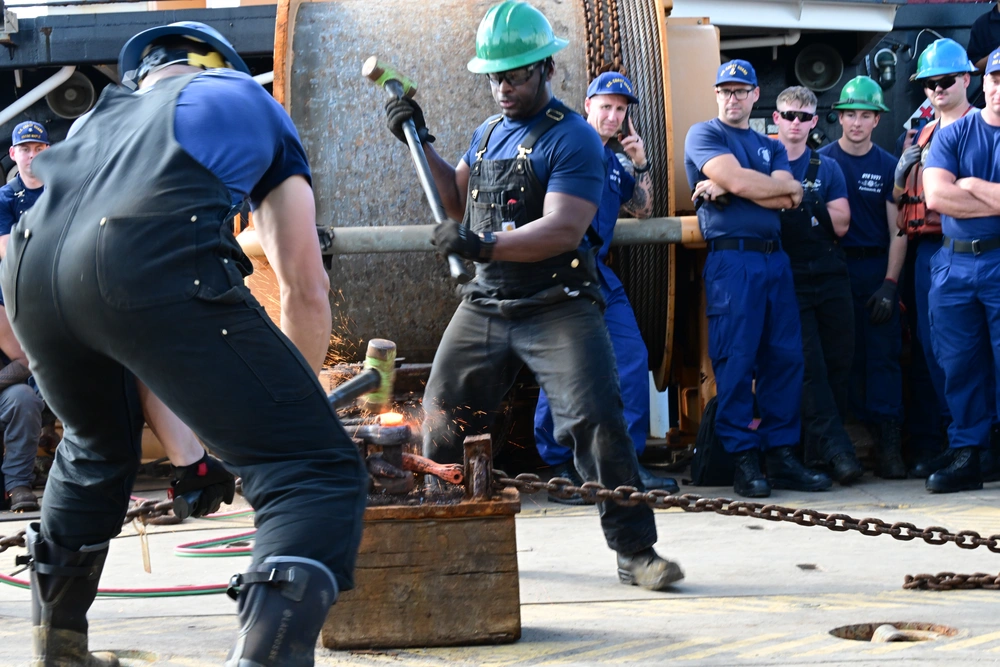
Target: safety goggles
(944, 83)
(739, 93)
(514, 77)
(801, 116)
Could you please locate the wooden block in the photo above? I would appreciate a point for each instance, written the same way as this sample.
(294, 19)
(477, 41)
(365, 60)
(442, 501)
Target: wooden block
(432, 580)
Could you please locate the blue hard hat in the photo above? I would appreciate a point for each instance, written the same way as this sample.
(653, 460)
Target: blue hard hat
(29, 131)
(135, 49)
(943, 56)
(612, 83)
(736, 71)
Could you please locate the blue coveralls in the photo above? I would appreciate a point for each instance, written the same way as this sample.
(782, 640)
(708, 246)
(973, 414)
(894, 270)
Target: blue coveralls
(630, 350)
(964, 297)
(753, 317)
(876, 394)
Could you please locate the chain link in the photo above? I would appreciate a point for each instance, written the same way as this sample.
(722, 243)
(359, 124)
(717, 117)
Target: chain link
(901, 530)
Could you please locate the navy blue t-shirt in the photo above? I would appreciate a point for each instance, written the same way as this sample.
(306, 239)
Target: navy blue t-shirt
(568, 159)
(968, 147)
(15, 199)
(830, 181)
(869, 180)
(985, 35)
(232, 126)
(742, 218)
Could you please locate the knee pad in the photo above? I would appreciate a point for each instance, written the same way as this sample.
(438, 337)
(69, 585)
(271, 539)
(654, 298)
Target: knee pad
(283, 603)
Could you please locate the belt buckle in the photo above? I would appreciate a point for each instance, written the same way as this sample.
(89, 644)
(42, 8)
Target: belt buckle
(769, 246)
(976, 247)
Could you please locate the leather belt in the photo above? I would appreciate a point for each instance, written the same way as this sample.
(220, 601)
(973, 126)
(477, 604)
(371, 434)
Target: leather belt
(766, 246)
(974, 247)
(864, 252)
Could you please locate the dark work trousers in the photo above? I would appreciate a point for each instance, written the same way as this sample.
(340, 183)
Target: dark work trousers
(876, 393)
(566, 346)
(100, 310)
(927, 412)
(826, 311)
(754, 333)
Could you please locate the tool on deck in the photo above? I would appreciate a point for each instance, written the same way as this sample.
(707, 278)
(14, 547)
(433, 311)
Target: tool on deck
(376, 379)
(398, 85)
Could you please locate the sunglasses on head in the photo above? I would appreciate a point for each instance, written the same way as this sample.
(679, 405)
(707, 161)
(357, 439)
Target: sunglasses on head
(515, 77)
(801, 116)
(944, 83)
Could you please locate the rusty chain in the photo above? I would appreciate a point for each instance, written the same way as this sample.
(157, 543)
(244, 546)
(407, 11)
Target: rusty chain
(630, 496)
(600, 18)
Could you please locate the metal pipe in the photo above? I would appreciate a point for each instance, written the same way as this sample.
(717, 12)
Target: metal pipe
(37, 93)
(417, 238)
(265, 78)
(759, 42)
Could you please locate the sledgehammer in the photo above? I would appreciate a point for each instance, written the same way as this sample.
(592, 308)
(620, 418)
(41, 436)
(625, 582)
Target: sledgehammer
(398, 85)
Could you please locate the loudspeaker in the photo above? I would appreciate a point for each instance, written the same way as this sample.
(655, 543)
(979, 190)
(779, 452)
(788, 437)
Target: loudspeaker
(73, 98)
(818, 67)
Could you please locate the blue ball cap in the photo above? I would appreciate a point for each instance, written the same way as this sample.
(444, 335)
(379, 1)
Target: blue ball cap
(736, 71)
(29, 131)
(612, 83)
(993, 64)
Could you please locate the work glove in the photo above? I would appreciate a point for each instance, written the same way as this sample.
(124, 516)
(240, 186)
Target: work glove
(201, 488)
(910, 157)
(880, 304)
(454, 237)
(398, 110)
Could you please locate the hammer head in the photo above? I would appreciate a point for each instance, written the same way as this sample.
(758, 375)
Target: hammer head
(381, 356)
(381, 72)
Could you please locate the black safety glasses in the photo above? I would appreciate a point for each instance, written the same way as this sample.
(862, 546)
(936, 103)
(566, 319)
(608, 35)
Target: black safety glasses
(739, 93)
(944, 83)
(801, 116)
(515, 77)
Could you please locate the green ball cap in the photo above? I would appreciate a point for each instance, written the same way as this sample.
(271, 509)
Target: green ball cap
(861, 93)
(511, 35)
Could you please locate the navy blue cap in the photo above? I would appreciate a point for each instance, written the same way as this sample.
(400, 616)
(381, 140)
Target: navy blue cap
(736, 71)
(993, 64)
(29, 131)
(612, 83)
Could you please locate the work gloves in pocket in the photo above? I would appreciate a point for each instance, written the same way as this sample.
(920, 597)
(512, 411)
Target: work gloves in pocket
(398, 110)
(880, 304)
(452, 237)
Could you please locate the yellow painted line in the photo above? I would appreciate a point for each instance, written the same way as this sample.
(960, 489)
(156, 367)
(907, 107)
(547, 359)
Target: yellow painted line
(892, 647)
(785, 646)
(510, 654)
(838, 645)
(731, 646)
(669, 648)
(618, 650)
(970, 642)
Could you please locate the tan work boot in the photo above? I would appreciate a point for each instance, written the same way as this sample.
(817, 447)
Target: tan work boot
(65, 648)
(647, 569)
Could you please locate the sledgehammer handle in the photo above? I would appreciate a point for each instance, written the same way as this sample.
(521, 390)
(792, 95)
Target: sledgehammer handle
(390, 80)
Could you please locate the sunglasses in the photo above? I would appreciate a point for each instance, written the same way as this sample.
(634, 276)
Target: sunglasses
(944, 83)
(801, 116)
(514, 77)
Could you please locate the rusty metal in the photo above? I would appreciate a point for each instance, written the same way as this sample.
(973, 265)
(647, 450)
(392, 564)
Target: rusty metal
(12, 541)
(478, 467)
(948, 581)
(453, 473)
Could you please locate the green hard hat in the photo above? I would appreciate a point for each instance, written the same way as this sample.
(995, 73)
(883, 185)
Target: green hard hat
(943, 56)
(862, 93)
(511, 35)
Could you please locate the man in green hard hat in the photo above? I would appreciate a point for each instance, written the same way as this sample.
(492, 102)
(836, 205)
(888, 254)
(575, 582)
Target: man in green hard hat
(875, 256)
(527, 191)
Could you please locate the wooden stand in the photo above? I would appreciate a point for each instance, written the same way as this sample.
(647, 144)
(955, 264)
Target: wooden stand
(433, 575)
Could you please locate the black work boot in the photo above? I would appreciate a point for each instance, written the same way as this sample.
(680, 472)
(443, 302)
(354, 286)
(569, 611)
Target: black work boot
(647, 569)
(889, 452)
(568, 471)
(22, 499)
(846, 468)
(926, 467)
(989, 457)
(748, 480)
(63, 586)
(962, 475)
(283, 603)
(784, 471)
(655, 483)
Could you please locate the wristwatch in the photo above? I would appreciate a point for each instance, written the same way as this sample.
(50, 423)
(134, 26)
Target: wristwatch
(643, 170)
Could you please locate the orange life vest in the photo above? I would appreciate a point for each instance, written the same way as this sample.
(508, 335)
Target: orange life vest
(914, 217)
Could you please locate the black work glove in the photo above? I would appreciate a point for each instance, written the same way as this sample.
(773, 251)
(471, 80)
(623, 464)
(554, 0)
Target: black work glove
(201, 488)
(880, 304)
(398, 110)
(454, 237)
(910, 157)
